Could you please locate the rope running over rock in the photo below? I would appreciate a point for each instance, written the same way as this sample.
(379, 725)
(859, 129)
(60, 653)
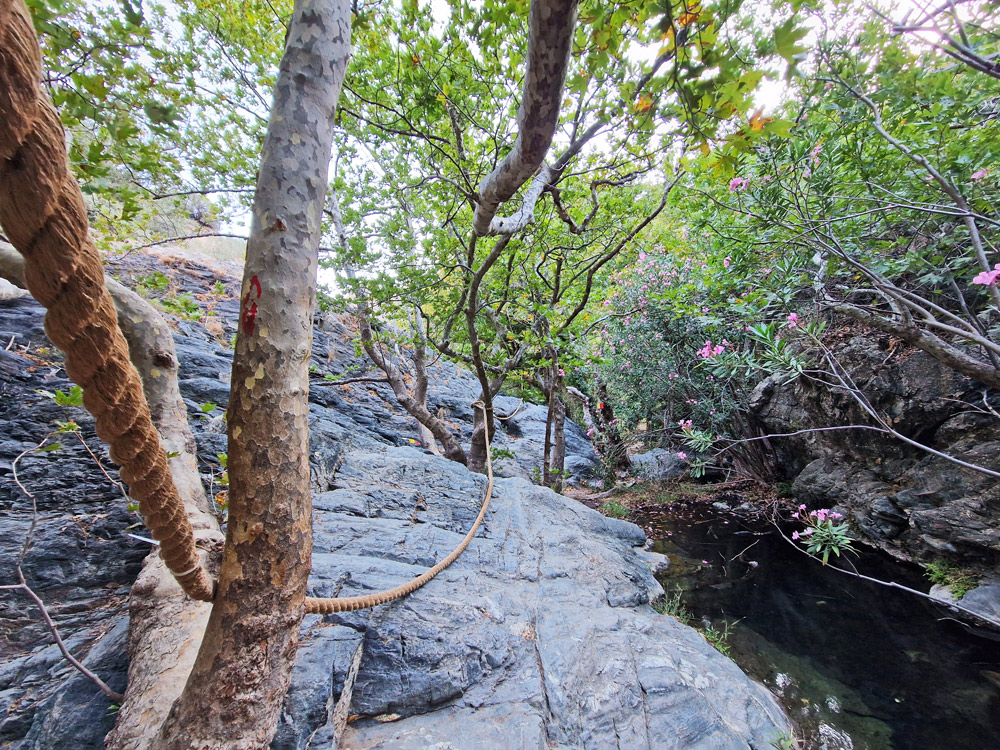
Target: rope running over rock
(350, 603)
(43, 214)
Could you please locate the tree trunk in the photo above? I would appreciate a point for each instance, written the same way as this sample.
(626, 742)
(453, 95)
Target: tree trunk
(417, 408)
(557, 464)
(948, 354)
(420, 380)
(414, 403)
(550, 38)
(607, 425)
(481, 426)
(547, 448)
(234, 695)
(165, 625)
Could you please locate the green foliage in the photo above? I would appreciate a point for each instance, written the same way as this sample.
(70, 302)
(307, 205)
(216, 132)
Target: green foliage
(205, 410)
(825, 532)
(153, 282)
(72, 397)
(786, 742)
(959, 581)
(614, 509)
(672, 604)
(182, 305)
(719, 638)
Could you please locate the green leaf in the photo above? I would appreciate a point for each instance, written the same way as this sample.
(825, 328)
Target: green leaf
(786, 40)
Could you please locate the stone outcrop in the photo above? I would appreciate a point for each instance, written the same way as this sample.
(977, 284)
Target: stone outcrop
(540, 635)
(912, 503)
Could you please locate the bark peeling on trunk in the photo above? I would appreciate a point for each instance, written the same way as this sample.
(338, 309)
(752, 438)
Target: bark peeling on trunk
(234, 695)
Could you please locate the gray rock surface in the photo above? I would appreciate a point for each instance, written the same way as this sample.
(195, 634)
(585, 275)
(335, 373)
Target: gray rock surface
(540, 635)
(658, 464)
(912, 503)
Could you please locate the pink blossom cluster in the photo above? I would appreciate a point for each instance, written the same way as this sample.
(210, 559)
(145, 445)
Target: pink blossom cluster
(686, 424)
(793, 320)
(988, 278)
(738, 183)
(709, 351)
(818, 516)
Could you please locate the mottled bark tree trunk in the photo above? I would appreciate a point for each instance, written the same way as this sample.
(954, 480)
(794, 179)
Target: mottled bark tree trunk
(234, 695)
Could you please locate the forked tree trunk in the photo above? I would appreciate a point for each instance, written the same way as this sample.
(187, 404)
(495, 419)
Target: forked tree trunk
(234, 695)
(415, 403)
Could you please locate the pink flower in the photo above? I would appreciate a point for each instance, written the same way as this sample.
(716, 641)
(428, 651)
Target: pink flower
(988, 278)
(738, 183)
(686, 425)
(793, 320)
(980, 174)
(795, 535)
(725, 263)
(682, 455)
(808, 173)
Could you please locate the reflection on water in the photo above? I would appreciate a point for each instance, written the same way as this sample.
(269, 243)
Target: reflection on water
(857, 665)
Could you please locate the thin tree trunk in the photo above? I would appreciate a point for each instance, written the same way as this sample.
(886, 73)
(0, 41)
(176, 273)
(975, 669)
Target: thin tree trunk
(420, 380)
(234, 695)
(550, 414)
(414, 403)
(557, 467)
(416, 407)
(481, 426)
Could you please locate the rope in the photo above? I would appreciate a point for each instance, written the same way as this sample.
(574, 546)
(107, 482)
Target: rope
(43, 214)
(351, 603)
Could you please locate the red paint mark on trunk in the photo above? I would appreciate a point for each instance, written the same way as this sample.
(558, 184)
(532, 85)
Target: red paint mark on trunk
(249, 317)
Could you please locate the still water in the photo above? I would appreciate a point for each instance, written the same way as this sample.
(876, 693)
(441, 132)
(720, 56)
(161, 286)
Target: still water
(855, 664)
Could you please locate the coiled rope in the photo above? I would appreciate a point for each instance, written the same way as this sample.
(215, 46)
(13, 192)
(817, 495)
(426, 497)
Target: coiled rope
(42, 212)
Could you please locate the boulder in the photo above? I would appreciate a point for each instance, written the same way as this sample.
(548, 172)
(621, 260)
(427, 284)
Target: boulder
(658, 464)
(914, 503)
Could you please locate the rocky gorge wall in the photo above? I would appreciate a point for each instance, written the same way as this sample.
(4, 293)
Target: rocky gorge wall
(541, 635)
(912, 503)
